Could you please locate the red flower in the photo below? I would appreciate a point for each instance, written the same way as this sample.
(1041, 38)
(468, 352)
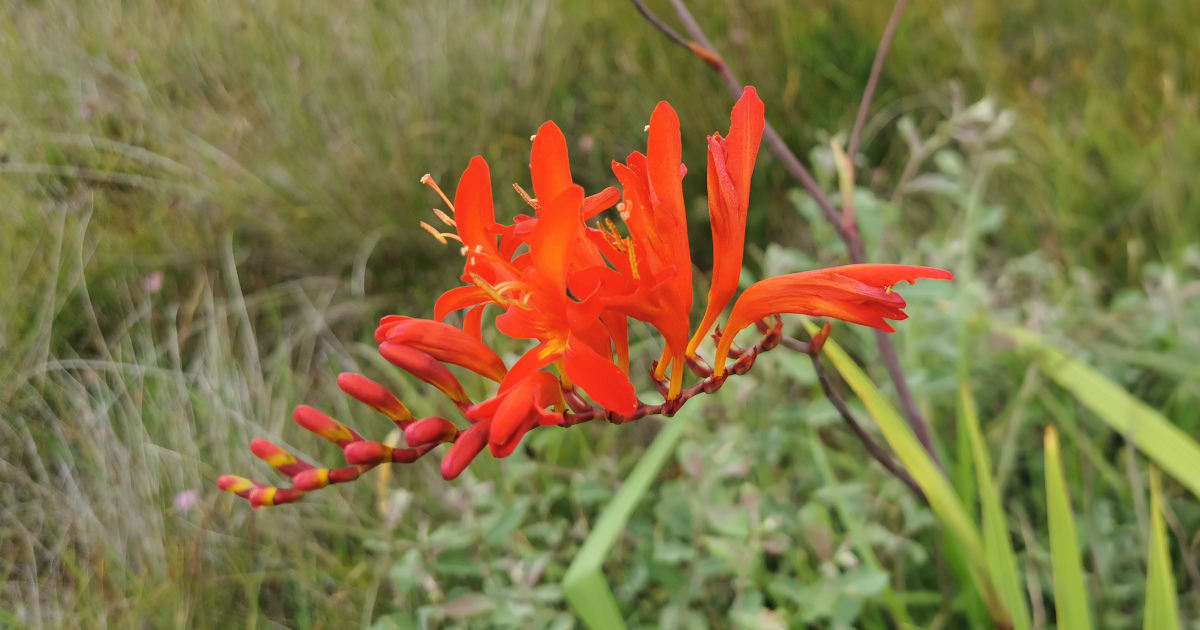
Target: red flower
(571, 287)
(859, 294)
(659, 264)
(730, 164)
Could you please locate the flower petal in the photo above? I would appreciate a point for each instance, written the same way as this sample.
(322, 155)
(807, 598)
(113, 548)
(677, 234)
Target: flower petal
(425, 367)
(447, 344)
(859, 294)
(602, 380)
(549, 164)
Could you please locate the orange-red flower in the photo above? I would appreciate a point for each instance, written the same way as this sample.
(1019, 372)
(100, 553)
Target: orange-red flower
(730, 165)
(659, 264)
(859, 294)
(569, 288)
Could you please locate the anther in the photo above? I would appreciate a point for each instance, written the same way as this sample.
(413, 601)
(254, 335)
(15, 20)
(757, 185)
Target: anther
(427, 179)
(647, 128)
(533, 203)
(445, 218)
(436, 234)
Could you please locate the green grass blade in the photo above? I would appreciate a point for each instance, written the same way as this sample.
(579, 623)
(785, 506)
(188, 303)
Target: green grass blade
(1166, 445)
(1070, 594)
(1162, 608)
(1001, 561)
(942, 499)
(584, 585)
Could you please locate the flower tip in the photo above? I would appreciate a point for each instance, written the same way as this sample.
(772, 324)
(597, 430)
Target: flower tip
(365, 453)
(235, 484)
(433, 430)
(310, 480)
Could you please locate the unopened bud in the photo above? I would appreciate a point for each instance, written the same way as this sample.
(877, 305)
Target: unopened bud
(432, 430)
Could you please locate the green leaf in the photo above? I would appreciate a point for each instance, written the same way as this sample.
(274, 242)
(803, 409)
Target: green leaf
(584, 585)
(1162, 609)
(942, 498)
(1166, 445)
(1070, 595)
(1001, 561)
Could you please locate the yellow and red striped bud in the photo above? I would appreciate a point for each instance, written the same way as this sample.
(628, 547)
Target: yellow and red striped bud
(318, 478)
(433, 430)
(425, 367)
(324, 426)
(278, 458)
(313, 479)
(266, 497)
(238, 485)
(375, 396)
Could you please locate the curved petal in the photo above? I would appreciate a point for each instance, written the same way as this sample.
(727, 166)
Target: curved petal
(448, 344)
(458, 299)
(473, 212)
(602, 380)
(549, 163)
(555, 237)
(599, 202)
(860, 294)
(425, 367)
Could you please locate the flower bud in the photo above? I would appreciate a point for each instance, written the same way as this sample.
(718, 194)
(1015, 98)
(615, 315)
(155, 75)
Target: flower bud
(433, 430)
(375, 396)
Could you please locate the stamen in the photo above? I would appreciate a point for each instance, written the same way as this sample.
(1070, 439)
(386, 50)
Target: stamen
(533, 137)
(445, 218)
(647, 128)
(436, 234)
(497, 292)
(427, 179)
(623, 210)
(633, 260)
(533, 203)
(609, 230)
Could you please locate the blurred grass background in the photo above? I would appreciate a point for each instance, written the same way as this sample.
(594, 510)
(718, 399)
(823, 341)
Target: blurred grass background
(205, 207)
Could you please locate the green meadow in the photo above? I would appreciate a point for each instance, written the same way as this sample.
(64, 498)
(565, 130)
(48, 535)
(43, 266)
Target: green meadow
(206, 207)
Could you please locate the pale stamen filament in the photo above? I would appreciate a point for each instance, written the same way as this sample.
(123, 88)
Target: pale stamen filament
(440, 236)
(497, 292)
(533, 203)
(427, 179)
(445, 218)
(633, 260)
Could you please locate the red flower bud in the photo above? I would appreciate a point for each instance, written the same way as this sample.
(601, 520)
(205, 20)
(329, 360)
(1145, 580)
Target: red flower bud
(375, 396)
(324, 426)
(430, 431)
(469, 443)
(278, 458)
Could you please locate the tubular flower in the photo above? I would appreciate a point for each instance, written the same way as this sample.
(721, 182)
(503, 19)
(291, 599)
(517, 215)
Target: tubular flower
(859, 294)
(659, 265)
(566, 280)
(730, 164)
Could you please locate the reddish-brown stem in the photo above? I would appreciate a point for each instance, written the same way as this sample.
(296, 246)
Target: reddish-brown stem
(704, 50)
(873, 448)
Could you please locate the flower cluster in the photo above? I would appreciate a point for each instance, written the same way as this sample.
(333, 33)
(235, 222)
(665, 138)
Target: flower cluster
(570, 281)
